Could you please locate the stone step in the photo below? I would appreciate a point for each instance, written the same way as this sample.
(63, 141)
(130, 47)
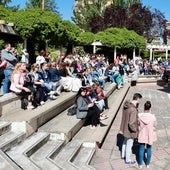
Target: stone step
(35, 118)
(6, 163)
(64, 158)
(11, 139)
(9, 102)
(42, 157)
(83, 158)
(63, 127)
(98, 134)
(4, 127)
(20, 154)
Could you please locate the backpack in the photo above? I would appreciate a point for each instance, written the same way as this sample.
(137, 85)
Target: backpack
(24, 103)
(72, 111)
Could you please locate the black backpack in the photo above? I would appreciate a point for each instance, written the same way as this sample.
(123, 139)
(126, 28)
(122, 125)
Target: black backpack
(72, 111)
(24, 103)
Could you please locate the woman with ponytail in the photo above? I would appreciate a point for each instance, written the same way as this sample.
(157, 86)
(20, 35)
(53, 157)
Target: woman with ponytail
(147, 134)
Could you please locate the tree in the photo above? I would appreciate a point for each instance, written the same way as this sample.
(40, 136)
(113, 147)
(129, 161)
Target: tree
(85, 38)
(49, 5)
(139, 19)
(85, 11)
(4, 2)
(158, 27)
(121, 38)
(125, 3)
(68, 33)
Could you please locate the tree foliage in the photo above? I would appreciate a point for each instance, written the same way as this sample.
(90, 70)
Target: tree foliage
(121, 38)
(84, 12)
(85, 38)
(4, 2)
(137, 17)
(49, 5)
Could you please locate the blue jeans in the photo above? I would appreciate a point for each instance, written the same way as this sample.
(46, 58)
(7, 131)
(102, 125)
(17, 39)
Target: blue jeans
(7, 81)
(127, 148)
(142, 147)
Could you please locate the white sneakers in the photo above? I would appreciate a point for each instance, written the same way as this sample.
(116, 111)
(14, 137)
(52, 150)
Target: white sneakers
(42, 103)
(51, 93)
(53, 97)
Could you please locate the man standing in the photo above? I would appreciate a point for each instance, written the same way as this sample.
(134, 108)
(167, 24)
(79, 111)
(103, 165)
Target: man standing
(129, 127)
(9, 60)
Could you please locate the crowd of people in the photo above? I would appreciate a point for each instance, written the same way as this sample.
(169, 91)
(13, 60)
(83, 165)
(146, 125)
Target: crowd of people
(46, 77)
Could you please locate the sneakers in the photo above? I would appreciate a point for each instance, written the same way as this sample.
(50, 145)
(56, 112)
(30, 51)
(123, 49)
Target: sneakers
(132, 163)
(42, 103)
(51, 93)
(53, 97)
(147, 166)
(30, 107)
(57, 93)
(119, 86)
(140, 166)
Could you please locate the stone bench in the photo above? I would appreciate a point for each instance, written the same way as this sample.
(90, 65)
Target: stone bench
(9, 102)
(30, 121)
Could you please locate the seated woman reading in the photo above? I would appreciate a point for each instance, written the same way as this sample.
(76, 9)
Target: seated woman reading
(85, 109)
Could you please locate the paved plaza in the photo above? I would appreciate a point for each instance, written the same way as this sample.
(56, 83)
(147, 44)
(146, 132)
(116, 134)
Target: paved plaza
(108, 157)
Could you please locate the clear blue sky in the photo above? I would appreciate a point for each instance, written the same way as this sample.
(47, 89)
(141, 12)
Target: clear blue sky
(65, 7)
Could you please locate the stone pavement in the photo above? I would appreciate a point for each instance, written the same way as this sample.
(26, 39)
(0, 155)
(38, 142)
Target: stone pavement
(108, 157)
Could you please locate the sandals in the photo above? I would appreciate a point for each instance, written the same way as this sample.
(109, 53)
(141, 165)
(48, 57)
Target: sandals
(103, 117)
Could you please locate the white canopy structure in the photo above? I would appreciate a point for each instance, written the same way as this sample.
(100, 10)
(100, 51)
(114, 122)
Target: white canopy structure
(159, 47)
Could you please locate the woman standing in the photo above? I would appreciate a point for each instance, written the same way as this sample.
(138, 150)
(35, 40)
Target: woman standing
(85, 109)
(147, 134)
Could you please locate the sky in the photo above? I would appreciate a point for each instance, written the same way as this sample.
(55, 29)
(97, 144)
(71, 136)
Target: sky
(65, 7)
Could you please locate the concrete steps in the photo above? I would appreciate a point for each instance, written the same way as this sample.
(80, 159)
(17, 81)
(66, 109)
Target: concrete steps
(20, 154)
(50, 132)
(42, 157)
(32, 120)
(11, 139)
(83, 158)
(4, 127)
(6, 163)
(64, 158)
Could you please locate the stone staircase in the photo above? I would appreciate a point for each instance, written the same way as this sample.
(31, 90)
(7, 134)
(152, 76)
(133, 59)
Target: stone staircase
(47, 138)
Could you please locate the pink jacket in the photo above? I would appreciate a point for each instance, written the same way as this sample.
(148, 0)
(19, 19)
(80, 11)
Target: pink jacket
(17, 83)
(147, 128)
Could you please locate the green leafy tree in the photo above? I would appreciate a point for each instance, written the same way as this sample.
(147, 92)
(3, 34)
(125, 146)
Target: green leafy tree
(85, 11)
(68, 33)
(85, 38)
(121, 38)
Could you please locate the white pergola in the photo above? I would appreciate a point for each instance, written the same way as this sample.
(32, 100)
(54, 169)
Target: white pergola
(94, 44)
(160, 47)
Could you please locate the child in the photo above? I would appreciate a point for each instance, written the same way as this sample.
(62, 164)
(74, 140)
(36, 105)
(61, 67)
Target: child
(147, 134)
